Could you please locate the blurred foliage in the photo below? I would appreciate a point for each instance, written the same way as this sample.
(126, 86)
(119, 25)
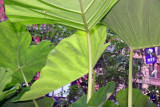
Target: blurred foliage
(54, 33)
(74, 93)
(115, 63)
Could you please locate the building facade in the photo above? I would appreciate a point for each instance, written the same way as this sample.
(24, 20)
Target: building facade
(150, 72)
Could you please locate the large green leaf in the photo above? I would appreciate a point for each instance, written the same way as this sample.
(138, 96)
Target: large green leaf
(5, 78)
(136, 22)
(16, 52)
(42, 102)
(102, 95)
(139, 100)
(68, 62)
(67, 12)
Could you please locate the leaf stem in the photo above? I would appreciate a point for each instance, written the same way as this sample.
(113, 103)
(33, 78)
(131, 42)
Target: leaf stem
(25, 80)
(130, 80)
(89, 93)
(90, 70)
(35, 103)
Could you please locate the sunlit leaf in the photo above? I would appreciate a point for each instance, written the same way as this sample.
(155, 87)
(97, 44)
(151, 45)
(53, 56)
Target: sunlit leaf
(66, 12)
(68, 62)
(136, 22)
(16, 52)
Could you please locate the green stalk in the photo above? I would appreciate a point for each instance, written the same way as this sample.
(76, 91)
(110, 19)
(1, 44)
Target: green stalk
(89, 93)
(35, 103)
(90, 70)
(130, 80)
(25, 80)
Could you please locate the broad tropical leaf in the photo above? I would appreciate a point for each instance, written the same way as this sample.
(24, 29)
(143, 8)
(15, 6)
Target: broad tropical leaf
(136, 22)
(139, 99)
(68, 62)
(6, 78)
(16, 52)
(66, 12)
(42, 102)
(102, 95)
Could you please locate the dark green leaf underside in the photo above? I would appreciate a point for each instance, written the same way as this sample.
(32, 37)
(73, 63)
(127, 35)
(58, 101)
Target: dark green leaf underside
(136, 22)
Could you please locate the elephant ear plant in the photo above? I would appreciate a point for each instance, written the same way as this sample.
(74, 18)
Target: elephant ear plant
(136, 22)
(74, 56)
(17, 54)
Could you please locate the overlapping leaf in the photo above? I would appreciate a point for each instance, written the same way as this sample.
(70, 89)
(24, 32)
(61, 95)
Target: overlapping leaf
(139, 100)
(136, 22)
(98, 99)
(67, 12)
(16, 52)
(6, 93)
(68, 62)
(102, 95)
(5, 78)
(82, 102)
